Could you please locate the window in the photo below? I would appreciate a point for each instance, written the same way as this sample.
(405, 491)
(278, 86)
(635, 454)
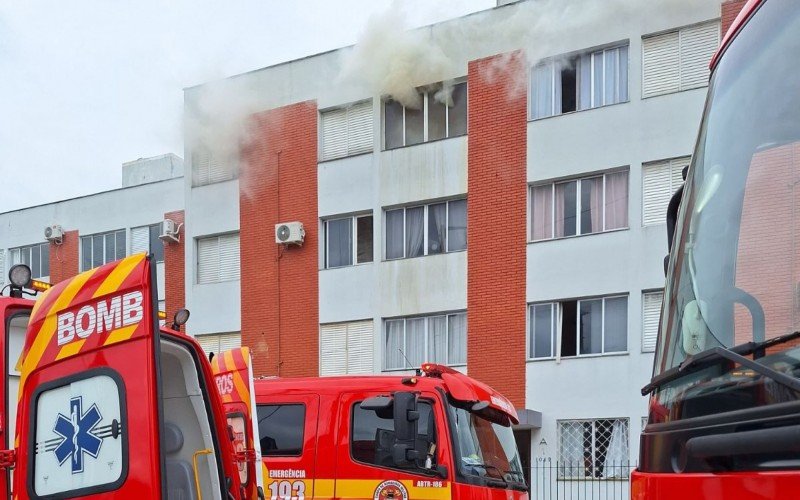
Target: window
(584, 326)
(580, 206)
(99, 249)
(207, 168)
(219, 342)
(281, 429)
(651, 314)
(100, 465)
(373, 434)
(341, 247)
(347, 131)
(218, 258)
(37, 257)
(416, 340)
(426, 229)
(346, 348)
(146, 239)
(579, 81)
(439, 112)
(678, 60)
(596, 448)
(660, 179)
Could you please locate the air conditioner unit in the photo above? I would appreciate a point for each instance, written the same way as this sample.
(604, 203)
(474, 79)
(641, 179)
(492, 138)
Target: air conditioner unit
(54, 234)
(170, 231)
(289, 232)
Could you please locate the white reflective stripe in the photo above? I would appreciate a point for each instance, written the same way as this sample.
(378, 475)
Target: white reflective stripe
(359, 128)
(140, 239)
(698, 44)
(660, 64)
(651, 311)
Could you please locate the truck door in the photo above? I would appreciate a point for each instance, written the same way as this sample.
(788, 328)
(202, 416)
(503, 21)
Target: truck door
(92, 406)
(15, 314)
(287, 429)
(365, 465)
(233, 374)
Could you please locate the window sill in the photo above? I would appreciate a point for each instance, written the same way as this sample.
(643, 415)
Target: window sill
(354, 155)
(422, 143)
(359, 264)
(561, 238)
(581, 356)
(423, 256)
(644, 98)
(569, 113)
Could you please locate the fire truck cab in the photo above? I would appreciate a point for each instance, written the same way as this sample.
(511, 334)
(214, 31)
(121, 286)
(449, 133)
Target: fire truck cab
(110, 403)
(438, 435)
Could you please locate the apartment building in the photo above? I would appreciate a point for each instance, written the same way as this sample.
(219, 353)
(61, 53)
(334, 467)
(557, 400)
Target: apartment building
(507, 219)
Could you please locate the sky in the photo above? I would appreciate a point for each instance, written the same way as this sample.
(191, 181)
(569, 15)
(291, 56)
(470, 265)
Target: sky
(86, 85)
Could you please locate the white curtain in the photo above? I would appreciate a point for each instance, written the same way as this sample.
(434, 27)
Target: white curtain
(591, 205)
(558, 65)
(340, 242)
(611, 77)
(584, 73)
(457, 339)
(616, 463)
(394, 343)
(623, 73)
(597, 79)
(616, 200)
(415, 341)
(394, 234)
(542, 212)
(437, 339)
(414, 231)
(542, 91)
(591, 324)
(437, 228)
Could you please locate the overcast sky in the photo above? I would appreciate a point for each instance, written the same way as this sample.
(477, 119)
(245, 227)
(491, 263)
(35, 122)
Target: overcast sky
(87, 85)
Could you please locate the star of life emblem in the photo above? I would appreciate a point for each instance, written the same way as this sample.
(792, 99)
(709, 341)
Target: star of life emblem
(77, 433)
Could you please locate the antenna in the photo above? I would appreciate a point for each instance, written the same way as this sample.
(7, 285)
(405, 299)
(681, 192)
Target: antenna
(416, 370)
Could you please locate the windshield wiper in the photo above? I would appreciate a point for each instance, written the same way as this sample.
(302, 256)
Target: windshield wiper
(736, 354)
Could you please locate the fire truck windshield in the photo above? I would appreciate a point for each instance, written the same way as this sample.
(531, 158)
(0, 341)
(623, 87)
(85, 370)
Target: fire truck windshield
(734, 278)
(486, 448)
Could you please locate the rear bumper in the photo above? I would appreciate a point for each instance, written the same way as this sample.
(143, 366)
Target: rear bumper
(730, 486)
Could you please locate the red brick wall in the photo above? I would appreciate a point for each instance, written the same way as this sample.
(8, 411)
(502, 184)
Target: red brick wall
(496, 228)
(280, 286)
(767, 266)
(174, 270)
(64, 261)
(728, 12)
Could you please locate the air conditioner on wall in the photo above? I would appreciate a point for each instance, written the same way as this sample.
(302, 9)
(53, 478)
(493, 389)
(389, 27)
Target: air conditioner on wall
(54, 234)
(170, 231)
(289, 233)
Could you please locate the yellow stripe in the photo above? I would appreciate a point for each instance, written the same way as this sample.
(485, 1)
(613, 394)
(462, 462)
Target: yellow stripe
(39, 302)
(48, 329)
(119, 274)
(365, 488)
(325, 488)
(241, 388)
(70, 349)
(120, 334)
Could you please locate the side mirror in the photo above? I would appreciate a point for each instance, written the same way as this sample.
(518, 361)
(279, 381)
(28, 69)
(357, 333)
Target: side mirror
(406, 423)
(377, 403)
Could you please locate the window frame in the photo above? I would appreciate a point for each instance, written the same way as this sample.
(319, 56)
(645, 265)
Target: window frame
(427, 92)
(425, 215)
(29, 249)
(426, 336)
(578, 203)
(555, 308)
(561, 423)
(550, 61)
(353, 243)
(104, 234)
(302, 427)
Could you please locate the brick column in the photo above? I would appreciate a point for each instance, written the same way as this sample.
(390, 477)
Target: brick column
(728, 12)
(496, 228)
(280, 285)
(64, 262)
(174, 269)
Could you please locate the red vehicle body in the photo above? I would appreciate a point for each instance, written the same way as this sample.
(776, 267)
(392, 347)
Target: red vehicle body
(112, 404)
(349, 437)
(724, 418)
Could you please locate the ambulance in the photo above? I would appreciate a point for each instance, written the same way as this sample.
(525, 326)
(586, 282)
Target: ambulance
(436, 435)
(111, 404)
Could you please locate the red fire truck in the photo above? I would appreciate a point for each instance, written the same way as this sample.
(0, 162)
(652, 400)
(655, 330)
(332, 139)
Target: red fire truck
(109, 402)
(724, 412)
